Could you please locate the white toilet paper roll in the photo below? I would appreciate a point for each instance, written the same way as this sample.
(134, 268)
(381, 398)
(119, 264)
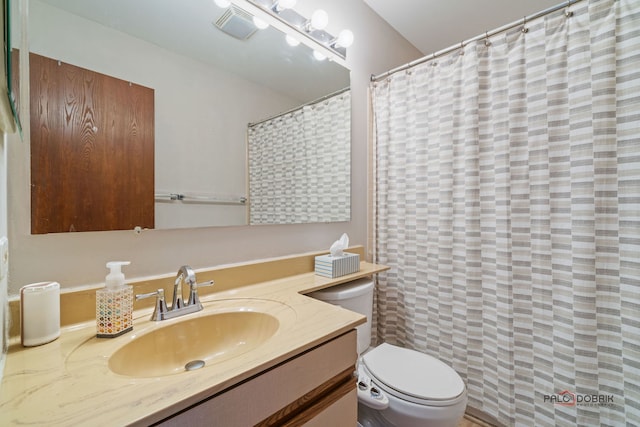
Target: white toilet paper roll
(39, 313)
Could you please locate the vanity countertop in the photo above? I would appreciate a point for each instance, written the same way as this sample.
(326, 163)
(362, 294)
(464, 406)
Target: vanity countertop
(46, 385)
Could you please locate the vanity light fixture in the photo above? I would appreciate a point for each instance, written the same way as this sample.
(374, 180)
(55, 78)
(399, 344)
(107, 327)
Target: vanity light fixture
(319, 56)
(280, 5)
(319, 20)
(259, 23)
(292, 41)
(310, 31)
(344, 39)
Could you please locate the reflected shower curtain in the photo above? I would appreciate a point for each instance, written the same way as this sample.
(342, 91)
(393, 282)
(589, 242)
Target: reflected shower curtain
(299, 169)
(508, 207)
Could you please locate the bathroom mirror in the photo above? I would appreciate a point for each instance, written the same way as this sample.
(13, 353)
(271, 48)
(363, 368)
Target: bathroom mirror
(208, 87)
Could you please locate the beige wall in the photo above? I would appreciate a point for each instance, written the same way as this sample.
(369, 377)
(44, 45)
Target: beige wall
(77, 259)
(3, 232)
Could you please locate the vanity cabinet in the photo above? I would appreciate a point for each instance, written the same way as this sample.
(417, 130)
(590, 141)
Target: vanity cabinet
(314, 388)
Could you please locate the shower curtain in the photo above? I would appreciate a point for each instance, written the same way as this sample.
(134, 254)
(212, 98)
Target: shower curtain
(298, 164)
(507, 203)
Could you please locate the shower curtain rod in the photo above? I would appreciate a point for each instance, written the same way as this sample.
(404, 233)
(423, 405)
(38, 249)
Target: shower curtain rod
(486, 35)
(315, 101)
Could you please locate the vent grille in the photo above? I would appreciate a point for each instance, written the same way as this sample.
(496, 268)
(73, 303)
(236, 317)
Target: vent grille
(236, 22)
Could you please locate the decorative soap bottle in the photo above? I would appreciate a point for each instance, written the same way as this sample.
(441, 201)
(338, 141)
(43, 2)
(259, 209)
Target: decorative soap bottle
(114, 304)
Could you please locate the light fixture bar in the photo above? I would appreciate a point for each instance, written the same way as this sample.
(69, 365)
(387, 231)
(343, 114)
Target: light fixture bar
(289, 21)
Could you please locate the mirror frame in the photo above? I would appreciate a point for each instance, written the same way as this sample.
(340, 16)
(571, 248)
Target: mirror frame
(8, 62)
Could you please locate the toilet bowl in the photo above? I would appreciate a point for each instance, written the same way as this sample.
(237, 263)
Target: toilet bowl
(421, 390)
(397, 387)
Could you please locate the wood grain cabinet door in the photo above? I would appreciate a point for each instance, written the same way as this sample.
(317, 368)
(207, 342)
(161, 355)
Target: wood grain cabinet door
(92, 150)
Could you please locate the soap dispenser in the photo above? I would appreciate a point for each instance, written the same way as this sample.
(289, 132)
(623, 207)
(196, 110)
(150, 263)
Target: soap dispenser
(114, 304)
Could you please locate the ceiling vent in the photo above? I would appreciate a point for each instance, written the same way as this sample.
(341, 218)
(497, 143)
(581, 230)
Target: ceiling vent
(236, 22)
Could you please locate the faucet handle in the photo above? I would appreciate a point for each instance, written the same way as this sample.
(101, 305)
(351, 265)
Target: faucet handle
(204, 284)
(161, 305)
(193, 293)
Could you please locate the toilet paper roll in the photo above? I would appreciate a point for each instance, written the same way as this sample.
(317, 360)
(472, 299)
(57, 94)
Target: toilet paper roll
(39, 313)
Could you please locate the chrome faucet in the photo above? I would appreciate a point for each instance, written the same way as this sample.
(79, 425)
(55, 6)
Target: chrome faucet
(179, 307)
(185, 274)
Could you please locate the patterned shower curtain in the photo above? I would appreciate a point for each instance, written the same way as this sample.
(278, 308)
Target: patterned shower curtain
(508, 207)
(299, 164)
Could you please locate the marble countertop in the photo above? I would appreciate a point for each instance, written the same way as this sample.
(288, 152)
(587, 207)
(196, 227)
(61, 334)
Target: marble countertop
(68, 382)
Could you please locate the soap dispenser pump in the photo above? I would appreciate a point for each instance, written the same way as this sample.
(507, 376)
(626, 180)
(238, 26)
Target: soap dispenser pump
(114, 304)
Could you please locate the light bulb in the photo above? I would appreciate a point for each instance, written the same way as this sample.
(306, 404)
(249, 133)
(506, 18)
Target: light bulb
(222, 3)
(319, 19)
(319, 56)
(260, 23)
(292, 41)
(345, 38)
(286, 4)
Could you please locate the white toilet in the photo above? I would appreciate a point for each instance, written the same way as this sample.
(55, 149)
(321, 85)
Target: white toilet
(397, 386)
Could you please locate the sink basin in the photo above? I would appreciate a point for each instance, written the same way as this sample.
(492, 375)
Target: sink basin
(172, 348)
(226, 331)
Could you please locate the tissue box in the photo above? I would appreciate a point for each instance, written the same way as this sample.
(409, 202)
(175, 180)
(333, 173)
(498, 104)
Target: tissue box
(336, 266)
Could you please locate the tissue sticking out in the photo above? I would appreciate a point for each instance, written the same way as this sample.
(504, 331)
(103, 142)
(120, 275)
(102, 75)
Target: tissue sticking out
(338, 247)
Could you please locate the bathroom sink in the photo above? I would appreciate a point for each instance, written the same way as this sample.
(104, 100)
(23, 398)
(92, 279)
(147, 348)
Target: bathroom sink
(185, 345)
(224, 330)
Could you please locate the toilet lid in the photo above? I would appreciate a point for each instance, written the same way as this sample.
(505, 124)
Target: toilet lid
(413, 373)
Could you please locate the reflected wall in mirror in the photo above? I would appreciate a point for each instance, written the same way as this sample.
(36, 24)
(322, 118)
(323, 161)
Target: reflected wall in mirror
(208, 87)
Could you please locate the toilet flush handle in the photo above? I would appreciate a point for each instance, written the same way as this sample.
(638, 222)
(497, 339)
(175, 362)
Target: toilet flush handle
(370, 395)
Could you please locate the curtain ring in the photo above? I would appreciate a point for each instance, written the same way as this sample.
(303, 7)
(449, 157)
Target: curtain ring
(568, 13)
(524, 25)
(461, 48)
(487, 42)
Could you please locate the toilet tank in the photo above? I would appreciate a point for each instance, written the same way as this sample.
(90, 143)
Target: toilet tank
(356, 296)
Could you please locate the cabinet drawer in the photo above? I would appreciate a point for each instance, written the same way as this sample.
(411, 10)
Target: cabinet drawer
(308, 383)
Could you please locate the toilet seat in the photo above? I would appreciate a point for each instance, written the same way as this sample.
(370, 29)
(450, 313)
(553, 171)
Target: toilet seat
(413, 376)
